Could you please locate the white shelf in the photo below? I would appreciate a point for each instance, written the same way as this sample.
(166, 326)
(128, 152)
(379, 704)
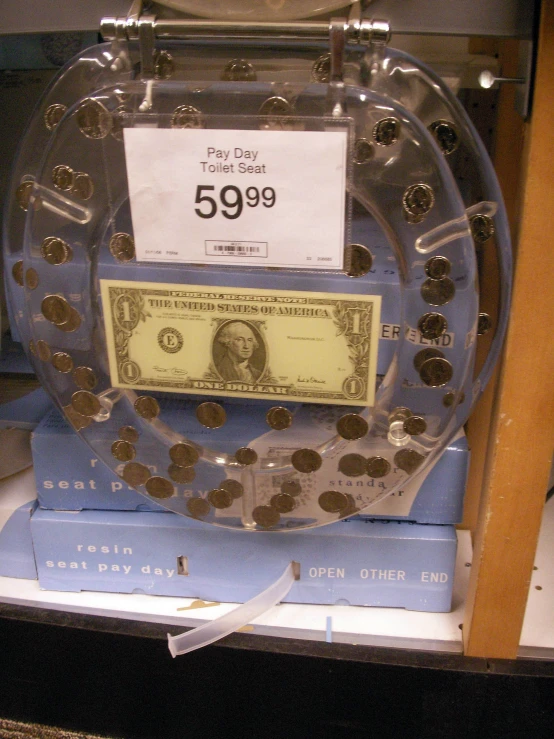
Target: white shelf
(386, 627)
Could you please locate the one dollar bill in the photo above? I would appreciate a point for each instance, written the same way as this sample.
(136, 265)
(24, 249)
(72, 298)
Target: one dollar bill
(242, 342)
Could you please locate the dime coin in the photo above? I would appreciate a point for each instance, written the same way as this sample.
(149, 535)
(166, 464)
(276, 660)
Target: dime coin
(164, 66)
(63, 177)
(159, 487)
(377, 467)
(43, 350)
(56, 251)
(31, 278)
(182, 475)
(85, 403)
(56, 309)
(321, 70)
(184, 455)
(446, 136)
(135, 473)
(283, 503)
(363, 151)
(276, 106)
(53, 115)
(147, 407)
(73, 322)
(220, 498)
(484, 323)
(417, 202)
(386, 131)
(23, 194)
(291, 487)
(415, 425)
(245, 455)
(265, 516)
(352, 426)
(482, 228)
(122, 247)
(83, 186)
(84, 378)
(77, 420)
(232, 486)
(332, 502)
(279, 418)
(124, 451)
(238, 70)
(436, 372)
(408, 460)
(211, 415)
(425, 354)
(198, 507)
(186, 116)
(17, 272)
(437, 267)
(352, 465)
(432, 325)
(306, 460)
(93, 119)
(62, 362)
(129, 433)
(438, 292)
(358, 260)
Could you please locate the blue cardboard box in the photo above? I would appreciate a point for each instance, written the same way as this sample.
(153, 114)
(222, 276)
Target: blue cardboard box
(16, 546)
(365, 563)
(77, 480)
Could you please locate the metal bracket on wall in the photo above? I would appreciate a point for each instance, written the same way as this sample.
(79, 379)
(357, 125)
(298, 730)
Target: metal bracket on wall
(523, 81)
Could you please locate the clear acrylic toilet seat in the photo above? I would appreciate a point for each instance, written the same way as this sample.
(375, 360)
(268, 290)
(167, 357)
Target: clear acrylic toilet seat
(290, 66)
(156, 441)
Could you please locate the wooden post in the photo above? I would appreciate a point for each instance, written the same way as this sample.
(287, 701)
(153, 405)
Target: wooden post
(507, 154)
(522, 429)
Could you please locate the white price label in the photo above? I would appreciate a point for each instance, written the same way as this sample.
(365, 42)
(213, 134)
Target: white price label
(234, 197)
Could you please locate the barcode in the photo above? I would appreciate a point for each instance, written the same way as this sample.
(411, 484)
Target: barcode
(234, 250)
(237, 249)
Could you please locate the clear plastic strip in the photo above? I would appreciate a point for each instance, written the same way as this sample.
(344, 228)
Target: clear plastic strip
(235, 619)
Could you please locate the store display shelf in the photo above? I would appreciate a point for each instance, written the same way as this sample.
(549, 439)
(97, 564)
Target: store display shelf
(384, 627)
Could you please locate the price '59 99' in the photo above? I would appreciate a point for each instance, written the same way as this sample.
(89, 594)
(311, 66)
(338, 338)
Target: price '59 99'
(230, 200)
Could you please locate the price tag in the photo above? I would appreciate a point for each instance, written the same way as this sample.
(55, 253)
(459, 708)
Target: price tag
(238, 197)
